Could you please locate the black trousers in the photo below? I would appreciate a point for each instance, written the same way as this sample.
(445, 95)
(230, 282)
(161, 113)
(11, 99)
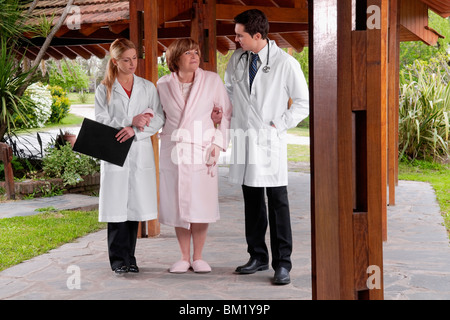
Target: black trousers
(122, 237)
(279, 221)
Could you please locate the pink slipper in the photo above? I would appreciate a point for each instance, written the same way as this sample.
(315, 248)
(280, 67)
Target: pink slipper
(201, 266)
(180, 266)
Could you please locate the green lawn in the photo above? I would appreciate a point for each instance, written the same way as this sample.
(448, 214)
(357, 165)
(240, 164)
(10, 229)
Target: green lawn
(298, 153)
(437, 175)
(75, 99)
(302, 132)
(22, 238)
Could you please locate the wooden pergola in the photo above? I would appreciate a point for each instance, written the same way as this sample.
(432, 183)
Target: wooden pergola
(354, 85)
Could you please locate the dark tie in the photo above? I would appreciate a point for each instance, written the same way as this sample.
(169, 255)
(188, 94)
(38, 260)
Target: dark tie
(253, 68)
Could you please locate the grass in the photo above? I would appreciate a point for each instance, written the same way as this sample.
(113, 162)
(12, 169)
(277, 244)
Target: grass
(298, 153)
(22, 238)
(438, 175)
(302, 132)
(75, 99)
(69, 121)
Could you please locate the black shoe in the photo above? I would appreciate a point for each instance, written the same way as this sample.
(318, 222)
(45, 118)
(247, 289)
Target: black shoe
(281, 276)
(133, 268)
(121, 270)
(252, 266)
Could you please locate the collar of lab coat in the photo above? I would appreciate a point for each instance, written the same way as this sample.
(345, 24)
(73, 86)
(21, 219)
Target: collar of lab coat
(272, 54)
(262, 55)
(119, 89)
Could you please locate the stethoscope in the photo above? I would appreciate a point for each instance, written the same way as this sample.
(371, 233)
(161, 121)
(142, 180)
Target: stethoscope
(265, 69)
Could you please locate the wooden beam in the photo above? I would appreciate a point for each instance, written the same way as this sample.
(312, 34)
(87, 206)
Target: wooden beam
(81, 51)
(118, 28)
(65, 51)
(226, 12)
(203, 30)
(414, 19)
(290, 38)
(96, 50)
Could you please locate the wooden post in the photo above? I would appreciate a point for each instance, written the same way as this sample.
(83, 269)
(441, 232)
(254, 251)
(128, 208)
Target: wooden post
(348, 123)
(144, 33)
(393, 98)
(204, 31)
(6, 157)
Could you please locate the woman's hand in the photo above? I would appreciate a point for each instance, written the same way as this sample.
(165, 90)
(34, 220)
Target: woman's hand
(125, 134)
(216, 116)
(212, 157)
(142, 120)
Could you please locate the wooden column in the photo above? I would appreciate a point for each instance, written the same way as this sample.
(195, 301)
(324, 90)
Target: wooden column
(393, 97)
(348, 162)
(203, 30)
(144, 34)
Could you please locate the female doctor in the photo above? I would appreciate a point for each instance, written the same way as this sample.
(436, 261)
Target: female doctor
(128, 193)
(260, 78)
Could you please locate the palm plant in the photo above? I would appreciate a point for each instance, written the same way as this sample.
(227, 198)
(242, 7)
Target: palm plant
(424, 111)
(12, 78)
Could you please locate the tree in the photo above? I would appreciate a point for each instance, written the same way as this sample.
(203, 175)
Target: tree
(68, 74)
(13, 80)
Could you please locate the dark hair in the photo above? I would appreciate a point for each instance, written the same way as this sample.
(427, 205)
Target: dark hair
(254, 21)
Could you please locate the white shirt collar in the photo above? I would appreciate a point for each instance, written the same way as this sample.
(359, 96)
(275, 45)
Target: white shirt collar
(263, 53)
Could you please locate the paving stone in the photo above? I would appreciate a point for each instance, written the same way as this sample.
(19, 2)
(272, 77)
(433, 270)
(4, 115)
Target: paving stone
(416, 257)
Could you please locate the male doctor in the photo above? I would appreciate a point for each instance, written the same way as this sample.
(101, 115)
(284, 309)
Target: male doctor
(260, 78)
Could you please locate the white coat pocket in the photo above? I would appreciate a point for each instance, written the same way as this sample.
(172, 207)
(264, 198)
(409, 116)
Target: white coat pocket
(144, 155)
(264, 150)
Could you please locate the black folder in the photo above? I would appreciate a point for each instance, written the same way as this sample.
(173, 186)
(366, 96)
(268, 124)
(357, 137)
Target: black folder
(99, 141)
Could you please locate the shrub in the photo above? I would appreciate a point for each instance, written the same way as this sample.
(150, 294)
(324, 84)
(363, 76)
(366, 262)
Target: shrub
(38, 115)
(424, 110)
(67, 164)
(61, 104)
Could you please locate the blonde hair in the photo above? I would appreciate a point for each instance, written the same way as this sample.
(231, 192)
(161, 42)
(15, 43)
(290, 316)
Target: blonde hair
(176, 49)
(117, 48)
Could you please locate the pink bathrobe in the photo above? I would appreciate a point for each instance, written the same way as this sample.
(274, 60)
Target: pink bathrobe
(188, 188)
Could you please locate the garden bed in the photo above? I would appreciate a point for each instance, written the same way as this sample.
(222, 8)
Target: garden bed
(54, 186)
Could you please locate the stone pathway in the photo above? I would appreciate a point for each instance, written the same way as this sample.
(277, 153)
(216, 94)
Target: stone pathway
(416, 258)
(416, 255)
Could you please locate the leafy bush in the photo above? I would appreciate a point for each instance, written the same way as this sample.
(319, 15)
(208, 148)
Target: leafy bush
(12, 105)
(424, 110)
(61, 104)
(38, 115)
(64, 163)
(83, 96)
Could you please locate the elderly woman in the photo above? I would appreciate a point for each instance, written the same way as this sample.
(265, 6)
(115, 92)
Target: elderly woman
(190, 148)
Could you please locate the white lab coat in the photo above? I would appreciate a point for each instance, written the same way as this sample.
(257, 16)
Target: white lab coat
(129, 193)
(259, 151)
